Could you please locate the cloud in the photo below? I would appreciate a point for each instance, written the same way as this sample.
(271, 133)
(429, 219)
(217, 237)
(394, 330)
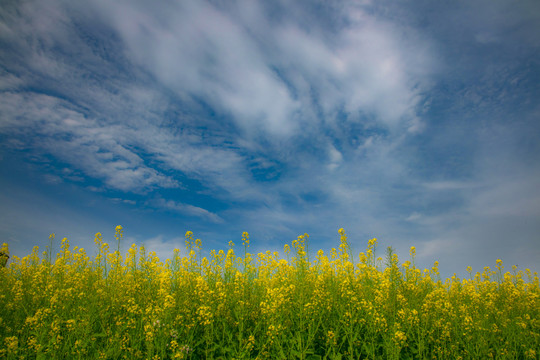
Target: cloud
(265, 74)
(413, 217)
(449, 185)
(269, 79)
(125, 201)
(162, 246)
(82, 142)
(335, 158)
(198, 51)
(185, 209)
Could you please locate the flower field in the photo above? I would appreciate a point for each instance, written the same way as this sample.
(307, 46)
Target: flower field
(237, 305)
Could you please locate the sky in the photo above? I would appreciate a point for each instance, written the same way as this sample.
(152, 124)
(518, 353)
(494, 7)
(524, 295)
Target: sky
(413, 122)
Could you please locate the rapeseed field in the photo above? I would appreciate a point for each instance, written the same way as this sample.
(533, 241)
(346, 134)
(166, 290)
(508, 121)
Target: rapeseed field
(237, 305)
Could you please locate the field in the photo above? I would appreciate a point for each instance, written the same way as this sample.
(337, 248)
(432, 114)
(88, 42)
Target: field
(237, 305)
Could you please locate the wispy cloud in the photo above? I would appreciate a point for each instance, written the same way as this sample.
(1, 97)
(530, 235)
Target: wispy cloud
(269, 76)
(186, 209)
(162, 246)
(82, 142)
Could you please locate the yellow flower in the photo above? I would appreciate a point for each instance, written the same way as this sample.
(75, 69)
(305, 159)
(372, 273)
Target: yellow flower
(331, 338)
(250, 342)
(400, 338)
(12, 343)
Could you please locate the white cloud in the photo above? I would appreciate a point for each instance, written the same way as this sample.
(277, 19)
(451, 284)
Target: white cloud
(414, 217)
(198, 49)
(163, 246)
(186, 209)
(229, 59)
(336, 158)
(125, 201)
(92, 148)
(449, 185)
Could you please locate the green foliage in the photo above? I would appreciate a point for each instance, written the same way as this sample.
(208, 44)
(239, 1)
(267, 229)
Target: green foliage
(259, 307)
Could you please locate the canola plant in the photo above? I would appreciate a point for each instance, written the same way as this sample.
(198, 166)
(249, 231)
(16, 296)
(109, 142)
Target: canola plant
(242, 306)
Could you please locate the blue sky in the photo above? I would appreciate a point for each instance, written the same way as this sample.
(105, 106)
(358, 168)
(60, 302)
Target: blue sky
(417, 123)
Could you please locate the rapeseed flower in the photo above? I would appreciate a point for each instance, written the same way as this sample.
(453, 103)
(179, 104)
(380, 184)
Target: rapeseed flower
(260, 305)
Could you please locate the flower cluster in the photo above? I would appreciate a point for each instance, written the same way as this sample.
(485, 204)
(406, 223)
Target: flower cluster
(244, 306)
